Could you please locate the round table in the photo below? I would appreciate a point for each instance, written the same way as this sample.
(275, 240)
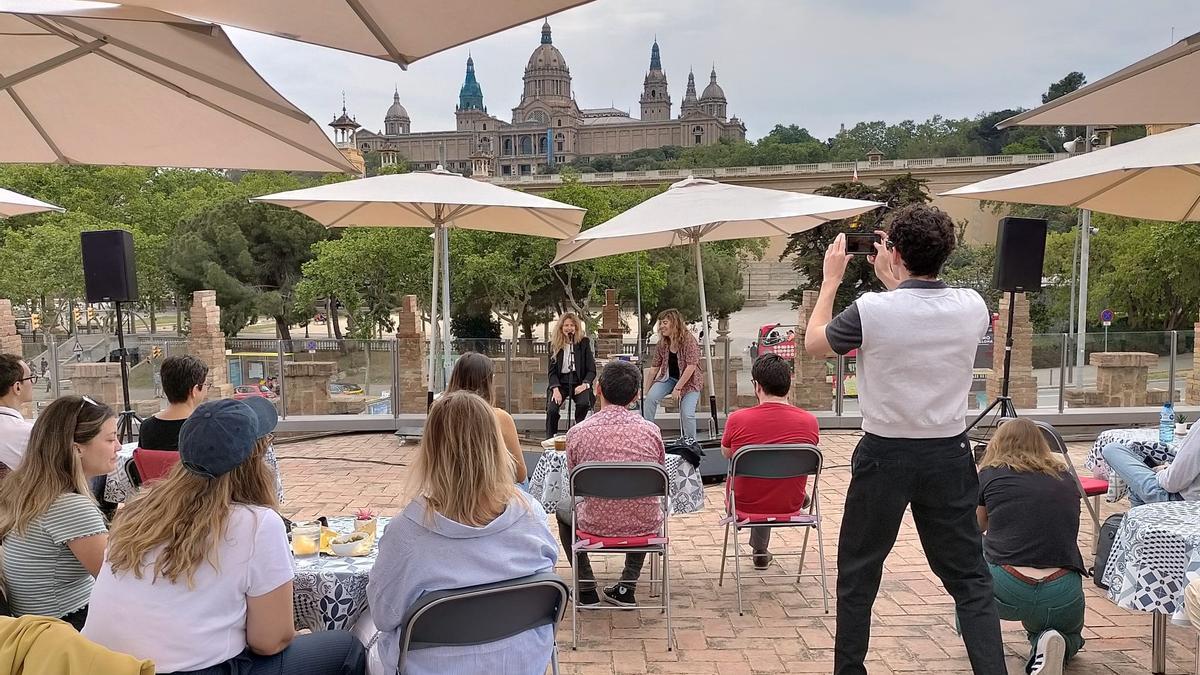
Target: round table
(119, 487)
(548, 483)
(330, 592)
(1155, 553)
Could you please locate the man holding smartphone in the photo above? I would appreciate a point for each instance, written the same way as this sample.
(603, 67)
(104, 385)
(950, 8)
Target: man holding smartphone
(916, 349)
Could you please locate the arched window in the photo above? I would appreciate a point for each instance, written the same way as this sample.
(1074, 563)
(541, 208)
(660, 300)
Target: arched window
(526, 145)
(653, 93)
(508, 145)
(560, 142)
(541, 145)
(485, 126)
(698, 135)
(538, 116)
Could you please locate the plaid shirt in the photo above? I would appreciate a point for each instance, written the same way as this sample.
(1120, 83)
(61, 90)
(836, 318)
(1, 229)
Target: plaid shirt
(615, 434)
(689, 355)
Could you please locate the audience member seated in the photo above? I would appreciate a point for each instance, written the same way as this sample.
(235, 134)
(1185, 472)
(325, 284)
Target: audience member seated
(16, 390)
(773, 421)
(1178, 480)
(198, 576)
(38, 645)
(473, 372)
(467, 525)
(53, 531)
(1029, 514)
(183, 382)
(614, 434)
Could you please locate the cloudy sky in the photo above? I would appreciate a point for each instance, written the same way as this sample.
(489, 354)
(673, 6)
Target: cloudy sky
(815, 63)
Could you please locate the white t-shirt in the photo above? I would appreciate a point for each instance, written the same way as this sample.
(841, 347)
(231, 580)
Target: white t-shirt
(14, 436)
(181, 628)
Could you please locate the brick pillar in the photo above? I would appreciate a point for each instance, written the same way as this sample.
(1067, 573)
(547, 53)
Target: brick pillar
(610, 335)
(809, 388)
(10, 343)
(1192, 387)
(1022, 386)
(308, 386)
(412, 356)
(100, 381)
(207, 343)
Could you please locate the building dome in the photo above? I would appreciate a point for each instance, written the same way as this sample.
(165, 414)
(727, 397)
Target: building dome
(713, 91)
(396, 111)
(546, 56)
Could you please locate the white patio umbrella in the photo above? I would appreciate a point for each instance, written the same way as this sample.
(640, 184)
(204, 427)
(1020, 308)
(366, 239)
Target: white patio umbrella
(17, 204)
(1159, 89)
(438, 199)
(1156, 177)
(101, 84)
(697, 210)
(395, 31)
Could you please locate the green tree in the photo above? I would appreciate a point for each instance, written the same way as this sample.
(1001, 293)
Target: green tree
(1072, 81)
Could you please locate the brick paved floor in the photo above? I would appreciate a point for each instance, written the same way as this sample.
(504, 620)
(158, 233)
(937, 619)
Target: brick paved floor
(784, 628)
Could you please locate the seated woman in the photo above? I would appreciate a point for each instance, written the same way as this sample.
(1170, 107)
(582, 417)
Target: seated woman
(53, 531)
(468, 525)
(473, 372)
(1029, 514)
(198, 576)
(183, 381)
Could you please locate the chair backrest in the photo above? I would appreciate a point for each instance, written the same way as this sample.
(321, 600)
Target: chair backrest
(532, 457)
(620, 480)
(776, 461)
(482, 614)
(1057, 444)
(154, 465)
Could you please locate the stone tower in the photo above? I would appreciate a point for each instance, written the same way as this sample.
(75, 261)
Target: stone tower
(691, 104)
(396, 121)
(470, 97)
(344, 127)
(712, 101)
(656, 101)
(546, 75)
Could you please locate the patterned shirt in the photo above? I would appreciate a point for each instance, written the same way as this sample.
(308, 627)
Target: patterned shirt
(689, 355)
(615, 434)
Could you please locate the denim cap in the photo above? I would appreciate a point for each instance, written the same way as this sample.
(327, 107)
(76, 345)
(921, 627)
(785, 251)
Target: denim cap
(217, 437)
(264, 410)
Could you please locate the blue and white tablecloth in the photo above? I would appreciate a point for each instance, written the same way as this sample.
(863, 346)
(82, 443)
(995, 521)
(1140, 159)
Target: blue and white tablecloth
(330, 592)
(1145, 442)
(1155, 554)
(119, 488)
(548, 484)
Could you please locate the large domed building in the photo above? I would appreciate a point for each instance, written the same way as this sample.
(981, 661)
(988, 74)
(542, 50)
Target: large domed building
(548, 127)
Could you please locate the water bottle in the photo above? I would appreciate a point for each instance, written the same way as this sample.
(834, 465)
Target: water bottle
(1166, 423)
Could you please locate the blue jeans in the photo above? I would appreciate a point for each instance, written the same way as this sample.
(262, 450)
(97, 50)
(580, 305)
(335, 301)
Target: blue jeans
(1141, 479)
(687, 405)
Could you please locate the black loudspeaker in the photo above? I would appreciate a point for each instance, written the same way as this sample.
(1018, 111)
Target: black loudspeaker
(1020, 253)
(109, 274)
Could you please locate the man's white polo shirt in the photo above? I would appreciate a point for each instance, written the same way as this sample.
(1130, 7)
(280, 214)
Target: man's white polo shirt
(14, 436)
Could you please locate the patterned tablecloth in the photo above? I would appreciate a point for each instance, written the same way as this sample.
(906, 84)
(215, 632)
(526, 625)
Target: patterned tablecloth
(118, 486)
(1143, 441)
(1156, 551)
(330, 592)
(548, 484)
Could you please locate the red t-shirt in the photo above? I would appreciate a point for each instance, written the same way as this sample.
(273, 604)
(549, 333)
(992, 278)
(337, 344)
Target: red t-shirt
(770, 423)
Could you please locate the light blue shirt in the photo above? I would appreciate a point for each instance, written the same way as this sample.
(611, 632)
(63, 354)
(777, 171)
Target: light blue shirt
(422, 551)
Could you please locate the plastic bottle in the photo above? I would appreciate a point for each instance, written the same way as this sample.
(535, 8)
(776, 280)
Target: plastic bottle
(1166, 423)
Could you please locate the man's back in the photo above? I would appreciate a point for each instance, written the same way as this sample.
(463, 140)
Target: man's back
(615, 434)
(770, 424)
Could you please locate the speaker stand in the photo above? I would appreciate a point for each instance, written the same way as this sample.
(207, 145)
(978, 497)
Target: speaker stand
(127, 416)
(1003, 405)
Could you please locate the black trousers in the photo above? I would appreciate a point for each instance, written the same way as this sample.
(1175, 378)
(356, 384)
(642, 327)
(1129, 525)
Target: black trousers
(587, 579)
(937, 478)
(583, 403)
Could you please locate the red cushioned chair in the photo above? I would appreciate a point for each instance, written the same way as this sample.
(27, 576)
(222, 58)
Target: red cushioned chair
(1089, 488)
(154, 465)
(774, 462)
(622, 480)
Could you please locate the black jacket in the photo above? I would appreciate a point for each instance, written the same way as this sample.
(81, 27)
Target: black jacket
(585, 366)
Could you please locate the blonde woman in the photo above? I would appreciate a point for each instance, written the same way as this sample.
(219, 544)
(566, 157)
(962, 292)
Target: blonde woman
(572, 371)
(474, 372)
(468, 525)
(198, 576)
(1029, 514)
(53, 531)
(675, 372)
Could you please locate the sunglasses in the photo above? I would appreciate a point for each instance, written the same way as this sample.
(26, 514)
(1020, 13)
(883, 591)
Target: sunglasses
(86, 400)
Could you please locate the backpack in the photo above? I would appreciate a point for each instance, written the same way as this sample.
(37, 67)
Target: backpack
(1108, 534)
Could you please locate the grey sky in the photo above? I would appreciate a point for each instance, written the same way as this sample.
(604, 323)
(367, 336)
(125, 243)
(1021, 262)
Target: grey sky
(814, 63)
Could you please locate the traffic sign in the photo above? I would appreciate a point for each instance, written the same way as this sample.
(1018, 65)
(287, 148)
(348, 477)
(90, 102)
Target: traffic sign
(1106, 317)
(311, 346)
(78, 349)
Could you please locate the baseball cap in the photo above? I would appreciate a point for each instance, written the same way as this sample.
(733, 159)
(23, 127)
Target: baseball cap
(264, 410)
(217, 437)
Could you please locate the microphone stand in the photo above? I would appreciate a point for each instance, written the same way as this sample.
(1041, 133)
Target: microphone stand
(570, 395)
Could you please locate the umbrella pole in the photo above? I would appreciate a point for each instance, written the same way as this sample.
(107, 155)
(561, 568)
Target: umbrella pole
(433, 309)
(445, 251)
(712, 389)
(641, 362)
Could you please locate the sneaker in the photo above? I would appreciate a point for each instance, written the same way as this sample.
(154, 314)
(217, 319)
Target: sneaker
(587, 598)
(1050, 654)
(762, 560)
(620, 595)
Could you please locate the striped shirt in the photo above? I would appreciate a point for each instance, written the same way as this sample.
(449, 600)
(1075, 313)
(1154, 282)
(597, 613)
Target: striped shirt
(41, 574)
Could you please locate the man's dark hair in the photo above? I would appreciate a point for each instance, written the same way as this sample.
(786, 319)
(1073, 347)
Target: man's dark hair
(180, 374)
(773, 373)
(924, 235)
(10, 372)
(619, 382)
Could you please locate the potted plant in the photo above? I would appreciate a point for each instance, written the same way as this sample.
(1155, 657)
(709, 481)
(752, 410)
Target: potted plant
(365, 521)
(1181, 426)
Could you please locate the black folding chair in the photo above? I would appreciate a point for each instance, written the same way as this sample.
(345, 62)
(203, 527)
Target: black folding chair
(481, 614)
(622, 480)
(774, 462)
(1090, 489)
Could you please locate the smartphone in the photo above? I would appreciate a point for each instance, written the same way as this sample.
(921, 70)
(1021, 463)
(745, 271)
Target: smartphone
(861, 243)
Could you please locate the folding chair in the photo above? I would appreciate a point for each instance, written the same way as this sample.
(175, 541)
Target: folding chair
(468, 616)
(1089, 488)
(622, 480)
(532, 457)
(774, 462)
(152, 465)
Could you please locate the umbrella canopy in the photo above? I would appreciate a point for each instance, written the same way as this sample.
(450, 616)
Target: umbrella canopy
(99, 84)
(396, 31)
(1156, 177)
(1159, 89)
(428, 199)
(17, 204)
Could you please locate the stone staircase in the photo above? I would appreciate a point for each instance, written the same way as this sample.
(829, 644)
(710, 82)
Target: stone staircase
(765, 280)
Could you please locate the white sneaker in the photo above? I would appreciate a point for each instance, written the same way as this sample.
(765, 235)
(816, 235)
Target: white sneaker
(1050, 654)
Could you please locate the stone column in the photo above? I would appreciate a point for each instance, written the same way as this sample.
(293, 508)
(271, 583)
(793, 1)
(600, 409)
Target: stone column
(810, 390)
(1192, 386)
(610, 334)
(308, 386)
(207, 343)
(412, 358)
(10, 343)
(99, 381)
(1022, 386)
